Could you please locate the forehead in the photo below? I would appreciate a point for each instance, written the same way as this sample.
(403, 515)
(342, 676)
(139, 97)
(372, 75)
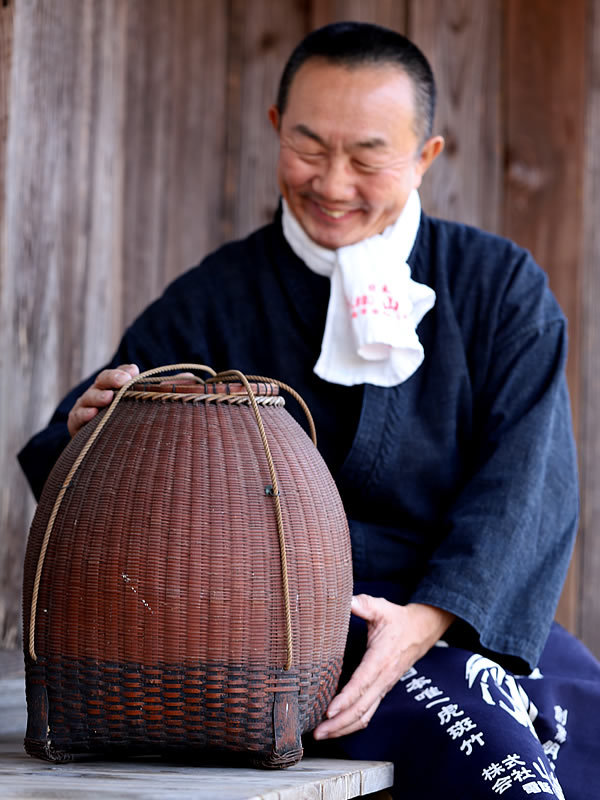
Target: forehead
(350, 96)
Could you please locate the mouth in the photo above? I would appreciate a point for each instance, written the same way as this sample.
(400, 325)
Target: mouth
(333, 213)
(330, 213)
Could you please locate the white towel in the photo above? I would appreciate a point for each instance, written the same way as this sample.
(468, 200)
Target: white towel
(374, 305)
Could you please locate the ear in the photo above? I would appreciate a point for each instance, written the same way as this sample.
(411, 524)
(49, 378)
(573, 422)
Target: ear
(274, 118)
(429, 152)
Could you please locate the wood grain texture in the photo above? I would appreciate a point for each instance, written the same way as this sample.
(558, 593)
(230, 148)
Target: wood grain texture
(389, 13)
(42, 275)
(264, 34)
(11, 553)
(174, 144)
(589, 596)
(6, 36)
(544, 63)
(544, 75)
(462, 40)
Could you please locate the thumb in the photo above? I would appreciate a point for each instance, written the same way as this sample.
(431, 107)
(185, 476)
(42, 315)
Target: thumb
(364, 606)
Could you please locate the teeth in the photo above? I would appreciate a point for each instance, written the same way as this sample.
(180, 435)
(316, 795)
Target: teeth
(334, 214)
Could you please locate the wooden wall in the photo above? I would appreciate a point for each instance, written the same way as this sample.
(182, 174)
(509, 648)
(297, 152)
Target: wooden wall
(588, 596)
(11, 529)
(138, 141)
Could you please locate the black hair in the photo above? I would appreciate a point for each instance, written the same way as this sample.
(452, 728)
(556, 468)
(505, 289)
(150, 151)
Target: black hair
(354, 44)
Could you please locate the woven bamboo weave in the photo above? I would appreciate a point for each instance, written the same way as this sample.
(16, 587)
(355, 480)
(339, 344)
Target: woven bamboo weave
(168, 613)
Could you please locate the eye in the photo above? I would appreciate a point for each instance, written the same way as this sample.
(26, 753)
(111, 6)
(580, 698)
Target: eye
(366, 166)
(311, 155)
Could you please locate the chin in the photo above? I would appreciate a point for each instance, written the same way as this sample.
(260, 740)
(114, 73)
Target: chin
(330, 238)
(334, 241)
(329, 242)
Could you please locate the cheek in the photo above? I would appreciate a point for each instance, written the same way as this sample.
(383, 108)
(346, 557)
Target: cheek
(294, 172)
(387, 191)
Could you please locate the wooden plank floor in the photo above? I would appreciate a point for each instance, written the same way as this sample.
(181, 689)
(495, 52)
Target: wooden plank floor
(23, 777)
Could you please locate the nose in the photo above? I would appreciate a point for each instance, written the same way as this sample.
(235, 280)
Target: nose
(335, 181)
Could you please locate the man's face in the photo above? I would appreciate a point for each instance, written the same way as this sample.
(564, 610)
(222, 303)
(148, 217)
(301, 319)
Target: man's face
(349, 155)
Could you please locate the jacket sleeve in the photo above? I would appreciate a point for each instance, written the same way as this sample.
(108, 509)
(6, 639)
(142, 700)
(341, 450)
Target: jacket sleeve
(509, 533)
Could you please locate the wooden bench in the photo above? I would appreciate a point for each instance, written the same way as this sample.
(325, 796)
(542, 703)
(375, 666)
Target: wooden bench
(151, 778)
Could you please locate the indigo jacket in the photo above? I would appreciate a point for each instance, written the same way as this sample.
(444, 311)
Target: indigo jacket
(459, 484)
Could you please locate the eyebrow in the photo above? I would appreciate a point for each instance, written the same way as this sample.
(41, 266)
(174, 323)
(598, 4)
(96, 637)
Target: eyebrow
(304, 130)
(367, 144)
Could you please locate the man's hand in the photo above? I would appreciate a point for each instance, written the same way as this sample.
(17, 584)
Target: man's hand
(397, 637)
(99, 395)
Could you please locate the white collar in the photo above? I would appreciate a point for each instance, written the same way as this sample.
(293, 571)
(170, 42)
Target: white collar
(374, 305)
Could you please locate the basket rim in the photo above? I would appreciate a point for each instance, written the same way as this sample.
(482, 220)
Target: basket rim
(181, 385)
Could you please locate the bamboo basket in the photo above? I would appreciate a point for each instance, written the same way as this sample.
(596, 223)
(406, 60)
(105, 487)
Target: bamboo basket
(187, 579)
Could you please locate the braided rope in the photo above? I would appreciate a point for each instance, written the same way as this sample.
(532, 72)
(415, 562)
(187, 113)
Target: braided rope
(196, 378)
(287, 388)
(69, 478)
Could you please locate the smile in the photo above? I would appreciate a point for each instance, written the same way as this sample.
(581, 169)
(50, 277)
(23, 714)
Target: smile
(334, 214)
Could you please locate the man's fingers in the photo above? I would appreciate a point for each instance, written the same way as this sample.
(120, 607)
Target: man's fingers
(353, 719)
(96, 398)
(115, 378)
(99, 395)
(397, 637)
(92, 399)
(363, 679)
(79, 416)
(85, 414)
(363, 607)
(354, 706)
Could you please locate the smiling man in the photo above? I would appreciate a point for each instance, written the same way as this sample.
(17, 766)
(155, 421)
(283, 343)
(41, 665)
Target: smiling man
(352, 149)
(432, 356)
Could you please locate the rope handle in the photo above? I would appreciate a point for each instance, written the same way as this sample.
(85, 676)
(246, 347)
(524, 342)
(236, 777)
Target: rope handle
(261, 379)
(279, 518)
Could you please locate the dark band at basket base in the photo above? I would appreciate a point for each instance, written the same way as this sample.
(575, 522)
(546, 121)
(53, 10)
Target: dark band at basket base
(88, 708)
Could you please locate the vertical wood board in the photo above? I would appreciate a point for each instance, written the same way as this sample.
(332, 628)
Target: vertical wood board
(10, 552)
(544, 75)
(265, 34)
(589, 597)
(544, 62)
(6, 38)
(197, 147)
(389, 13)
(462, 40)
(47, 226)
(174, 142)
(98, 122)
